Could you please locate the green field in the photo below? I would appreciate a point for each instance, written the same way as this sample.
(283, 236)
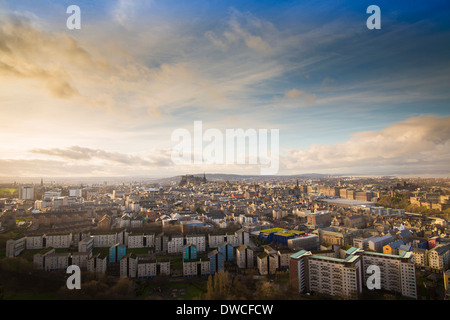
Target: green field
(7, 192)
(172, 291)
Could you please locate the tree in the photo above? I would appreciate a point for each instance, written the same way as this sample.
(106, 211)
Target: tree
(219, 287)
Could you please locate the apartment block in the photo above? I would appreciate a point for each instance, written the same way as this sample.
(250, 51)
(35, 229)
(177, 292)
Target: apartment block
(189, 252)
(439, 258)
(216, 261)
(245, 257)
(34, 242)
(298, 270)
(105, 240)
(141, 240)
(86, 245)
(397, 271)
(198, 240)
(148, 267)
(161, 243)
(346, 277)
(237, 239)
(196, 268)
(267, 261)
(40, 257)
(227, 251)
(80, 259)
(57, 261)
(175, 244)
(15, 247)
(420, 257)
(128, 266)
(97, 264)
(335, 277)
(116, 252)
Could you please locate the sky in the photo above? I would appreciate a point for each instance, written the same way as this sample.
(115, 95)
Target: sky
(105, 100)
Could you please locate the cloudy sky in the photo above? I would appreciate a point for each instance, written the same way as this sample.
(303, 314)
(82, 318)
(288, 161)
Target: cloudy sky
(104, 100)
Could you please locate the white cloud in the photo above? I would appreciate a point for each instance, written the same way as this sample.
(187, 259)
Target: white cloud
(419, 144)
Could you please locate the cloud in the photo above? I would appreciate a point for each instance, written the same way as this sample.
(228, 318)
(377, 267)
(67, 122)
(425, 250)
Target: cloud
(157, 158)
(244, 28)
(295, 94)
(52, 60)
(417, 145)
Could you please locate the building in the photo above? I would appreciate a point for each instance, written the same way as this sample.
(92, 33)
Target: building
(40, 257)
(355, 221)
(175, 244)
(128, 266)
(97, 264)
(377, 243)
(393, 247)
(245, 257)
(227, 251)
(447, 280)
(397, 271)
(309, 242)
(268, 261)
(57, 261)
(57, 241)
(439, 258)
(334, 276)
(117, 252)
(86, 244)
(189, 252)
(361, 243)
(75, 193)
(321, 219)
(105, 240)
(217, 261)
(140, 240)
(26, 192)
(346, 277)
(161, 243)
(80, 259)
(298, 271)
(104, 223)
(237, 239)
(337, 235)
(196, 268)
(420, 257)
(148, 267)
(199, 240)
(15, 247)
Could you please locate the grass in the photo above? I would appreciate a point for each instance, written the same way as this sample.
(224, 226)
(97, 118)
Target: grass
(138, 250)
(192, 289)
(7, 192)
(102, 251)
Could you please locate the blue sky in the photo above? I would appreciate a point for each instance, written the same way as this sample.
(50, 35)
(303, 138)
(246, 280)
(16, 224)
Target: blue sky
(137, 70)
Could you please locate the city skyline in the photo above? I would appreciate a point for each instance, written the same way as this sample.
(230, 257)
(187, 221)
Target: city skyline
(104, 100)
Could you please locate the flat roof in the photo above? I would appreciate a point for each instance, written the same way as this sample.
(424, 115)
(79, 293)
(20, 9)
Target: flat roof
(348, 202)
(404, 254)
(272, 230)
(300, 254)
(350, 258)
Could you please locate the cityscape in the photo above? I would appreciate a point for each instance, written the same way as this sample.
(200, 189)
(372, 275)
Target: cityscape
(191, 152)
(292, 237)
